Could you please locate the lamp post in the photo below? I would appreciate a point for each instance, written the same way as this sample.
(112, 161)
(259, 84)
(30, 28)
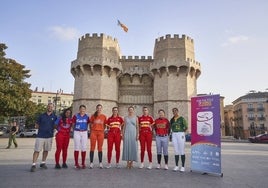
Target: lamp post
(59, 92)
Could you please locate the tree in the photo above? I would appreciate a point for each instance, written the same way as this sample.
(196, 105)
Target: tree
(15, 92)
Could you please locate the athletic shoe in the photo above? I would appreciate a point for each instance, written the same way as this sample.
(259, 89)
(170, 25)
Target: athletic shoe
(43, 165)
(117, 165)
(141, 166)
(33, 168)
(176, 168)
(77, 166)
(91, 165)
(7, 147)
(166, 167)
(182, 169)
(57, 166)
(108, 165)
(83, 166)
(150, 166)
(101, 166)
(64, 165)
(158, 166)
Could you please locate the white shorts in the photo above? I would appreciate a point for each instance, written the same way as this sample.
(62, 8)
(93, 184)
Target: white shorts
(43, 143)
(80, 140)
(178, 140)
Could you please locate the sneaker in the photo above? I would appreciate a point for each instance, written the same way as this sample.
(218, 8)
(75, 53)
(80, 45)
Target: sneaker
(141, 166)
(166, 167)
(57, 166)
(158, 166)
(176, 168)
(182, 169)
(83, 166)
(91, 165)
(33, 168)
(64, 165)
(77, 166)
(101, 166)
(43, 165)
(109, 165)
(7, 147)
(150, 166)
(118, 166)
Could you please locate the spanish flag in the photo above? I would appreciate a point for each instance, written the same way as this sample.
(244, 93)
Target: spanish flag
(122, 25)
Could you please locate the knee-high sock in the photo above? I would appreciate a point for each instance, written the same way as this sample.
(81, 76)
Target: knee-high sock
(182, 160)
(166, 159)
(177, 160)
(76, 153)
(100, 156)
(91, 156)
(159, 158)
(83, 154)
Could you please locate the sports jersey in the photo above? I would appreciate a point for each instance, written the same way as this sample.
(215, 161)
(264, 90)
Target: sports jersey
(115, 122)
(98, 123)
(64, 127)
(162, 126)
(145, 122)
(178, 125)
(80, 122)
(46, 125)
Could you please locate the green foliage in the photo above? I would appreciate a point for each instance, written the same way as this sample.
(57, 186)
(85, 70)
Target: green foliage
(15, 92)
(32, 113)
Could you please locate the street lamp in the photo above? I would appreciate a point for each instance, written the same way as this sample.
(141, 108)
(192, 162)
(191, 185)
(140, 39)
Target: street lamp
(59, 92)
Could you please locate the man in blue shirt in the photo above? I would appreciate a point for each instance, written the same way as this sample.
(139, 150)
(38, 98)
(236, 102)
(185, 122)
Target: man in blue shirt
(45, 125)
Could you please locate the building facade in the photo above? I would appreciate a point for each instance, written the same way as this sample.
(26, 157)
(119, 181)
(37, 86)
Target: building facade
(250, 114)
(60, 99)
(165, 81)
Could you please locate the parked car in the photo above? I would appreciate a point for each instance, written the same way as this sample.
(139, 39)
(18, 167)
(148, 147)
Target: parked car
(261, 138)
(29, 133)
(188, 137)
(1, 132)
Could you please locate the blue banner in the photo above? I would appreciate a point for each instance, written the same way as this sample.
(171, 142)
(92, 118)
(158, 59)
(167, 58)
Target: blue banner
(205, 134)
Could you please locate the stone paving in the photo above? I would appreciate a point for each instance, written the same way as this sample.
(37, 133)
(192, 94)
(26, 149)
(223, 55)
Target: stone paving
(243, 165)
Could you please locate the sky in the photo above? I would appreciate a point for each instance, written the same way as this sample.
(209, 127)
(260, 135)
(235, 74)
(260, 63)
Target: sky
(230, 37)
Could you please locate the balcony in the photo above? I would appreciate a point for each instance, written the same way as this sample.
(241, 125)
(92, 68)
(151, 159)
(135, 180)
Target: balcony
(260, 109)
(251, 118)
(261, 118)
(251, 109)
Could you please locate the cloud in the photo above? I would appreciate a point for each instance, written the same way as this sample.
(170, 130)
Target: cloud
(235, 40)
(64, 33)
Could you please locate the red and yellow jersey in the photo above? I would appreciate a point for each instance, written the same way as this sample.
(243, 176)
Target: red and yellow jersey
(115, 122)
(145, 122)
(162, 126)
(98, 123)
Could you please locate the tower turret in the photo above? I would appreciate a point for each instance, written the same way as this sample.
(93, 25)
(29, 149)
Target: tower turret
(175, 73)
(95, 71)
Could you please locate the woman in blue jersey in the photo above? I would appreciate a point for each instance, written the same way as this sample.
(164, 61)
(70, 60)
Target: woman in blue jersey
(80, 127)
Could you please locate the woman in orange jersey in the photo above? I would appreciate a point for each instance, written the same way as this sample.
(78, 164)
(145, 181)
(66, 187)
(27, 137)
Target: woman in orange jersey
(97, 127)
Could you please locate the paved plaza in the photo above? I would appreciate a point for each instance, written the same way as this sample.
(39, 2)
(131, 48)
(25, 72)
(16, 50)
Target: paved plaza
(244, 165)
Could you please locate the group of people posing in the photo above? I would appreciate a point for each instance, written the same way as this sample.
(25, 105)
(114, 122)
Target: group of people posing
(130, 129)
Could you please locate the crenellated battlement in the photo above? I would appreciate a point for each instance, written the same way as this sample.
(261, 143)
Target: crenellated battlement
(136, 58)
(96, 36)
(176, 37)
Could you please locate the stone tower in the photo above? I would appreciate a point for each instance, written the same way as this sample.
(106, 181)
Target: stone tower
(175, 73)
(95, 71)
(165, 81)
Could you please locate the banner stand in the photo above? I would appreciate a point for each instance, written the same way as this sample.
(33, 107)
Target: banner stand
(206, 135)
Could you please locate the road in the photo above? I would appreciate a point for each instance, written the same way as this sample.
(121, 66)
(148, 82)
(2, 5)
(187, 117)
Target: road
(244, 165)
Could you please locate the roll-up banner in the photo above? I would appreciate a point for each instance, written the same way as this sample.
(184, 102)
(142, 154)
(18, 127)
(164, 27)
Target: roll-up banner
(205, 134)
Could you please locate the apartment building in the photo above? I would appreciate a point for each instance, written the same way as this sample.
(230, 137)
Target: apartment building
(250, 115)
